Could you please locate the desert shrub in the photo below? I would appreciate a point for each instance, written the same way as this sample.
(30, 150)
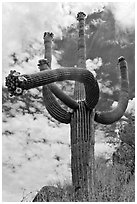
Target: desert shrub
(111, 182)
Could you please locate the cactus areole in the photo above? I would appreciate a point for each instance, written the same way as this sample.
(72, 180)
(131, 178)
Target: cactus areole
(81, 119)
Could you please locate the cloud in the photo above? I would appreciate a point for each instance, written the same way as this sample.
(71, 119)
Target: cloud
(124, 15)
(131, 106)
(26, 157)
(94, 64)
(104, 86)
(86, 7)
(25, 23)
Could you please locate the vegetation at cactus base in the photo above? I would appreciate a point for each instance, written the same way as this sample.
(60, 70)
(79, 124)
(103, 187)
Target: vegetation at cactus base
(111, 186)
(115, 177)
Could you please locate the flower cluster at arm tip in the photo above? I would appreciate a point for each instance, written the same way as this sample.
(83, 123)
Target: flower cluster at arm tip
(81, 15)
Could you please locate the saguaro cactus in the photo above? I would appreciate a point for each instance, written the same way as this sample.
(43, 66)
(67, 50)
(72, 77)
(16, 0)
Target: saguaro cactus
(81, 119)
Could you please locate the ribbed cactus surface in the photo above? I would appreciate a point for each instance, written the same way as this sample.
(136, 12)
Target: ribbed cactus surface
(82, 152)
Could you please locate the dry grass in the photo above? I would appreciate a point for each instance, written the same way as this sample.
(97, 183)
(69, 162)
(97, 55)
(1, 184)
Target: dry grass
(111, 186)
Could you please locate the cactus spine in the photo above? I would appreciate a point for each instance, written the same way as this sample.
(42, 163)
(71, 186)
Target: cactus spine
(82, 118)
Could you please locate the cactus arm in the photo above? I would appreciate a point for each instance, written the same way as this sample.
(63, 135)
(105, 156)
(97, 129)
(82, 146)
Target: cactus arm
(45, 64)
(49, 76)
(81, 40)
(114, 115)
(54, 108)
(79, 91)
(48, 37)
(67, 100)
(91, 96)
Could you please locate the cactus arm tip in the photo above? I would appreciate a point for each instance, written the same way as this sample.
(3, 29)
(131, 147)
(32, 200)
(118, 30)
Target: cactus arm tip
(114, 115)
(15, 83)
(81, 15)
(120, 59)
(48, 34)
(43, 64)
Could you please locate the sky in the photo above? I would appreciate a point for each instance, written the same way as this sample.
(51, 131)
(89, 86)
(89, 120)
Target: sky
(22, 24)
(30, 20)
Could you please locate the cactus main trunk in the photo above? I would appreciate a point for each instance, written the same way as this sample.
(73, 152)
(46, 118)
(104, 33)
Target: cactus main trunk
(82, 131)
(82, 152)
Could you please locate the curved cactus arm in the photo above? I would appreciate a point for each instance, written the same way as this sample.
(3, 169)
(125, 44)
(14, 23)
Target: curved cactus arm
(46, 77)
(67, 100)
(91, 96)
(114, 115)
(54, 108)
(49, 100)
